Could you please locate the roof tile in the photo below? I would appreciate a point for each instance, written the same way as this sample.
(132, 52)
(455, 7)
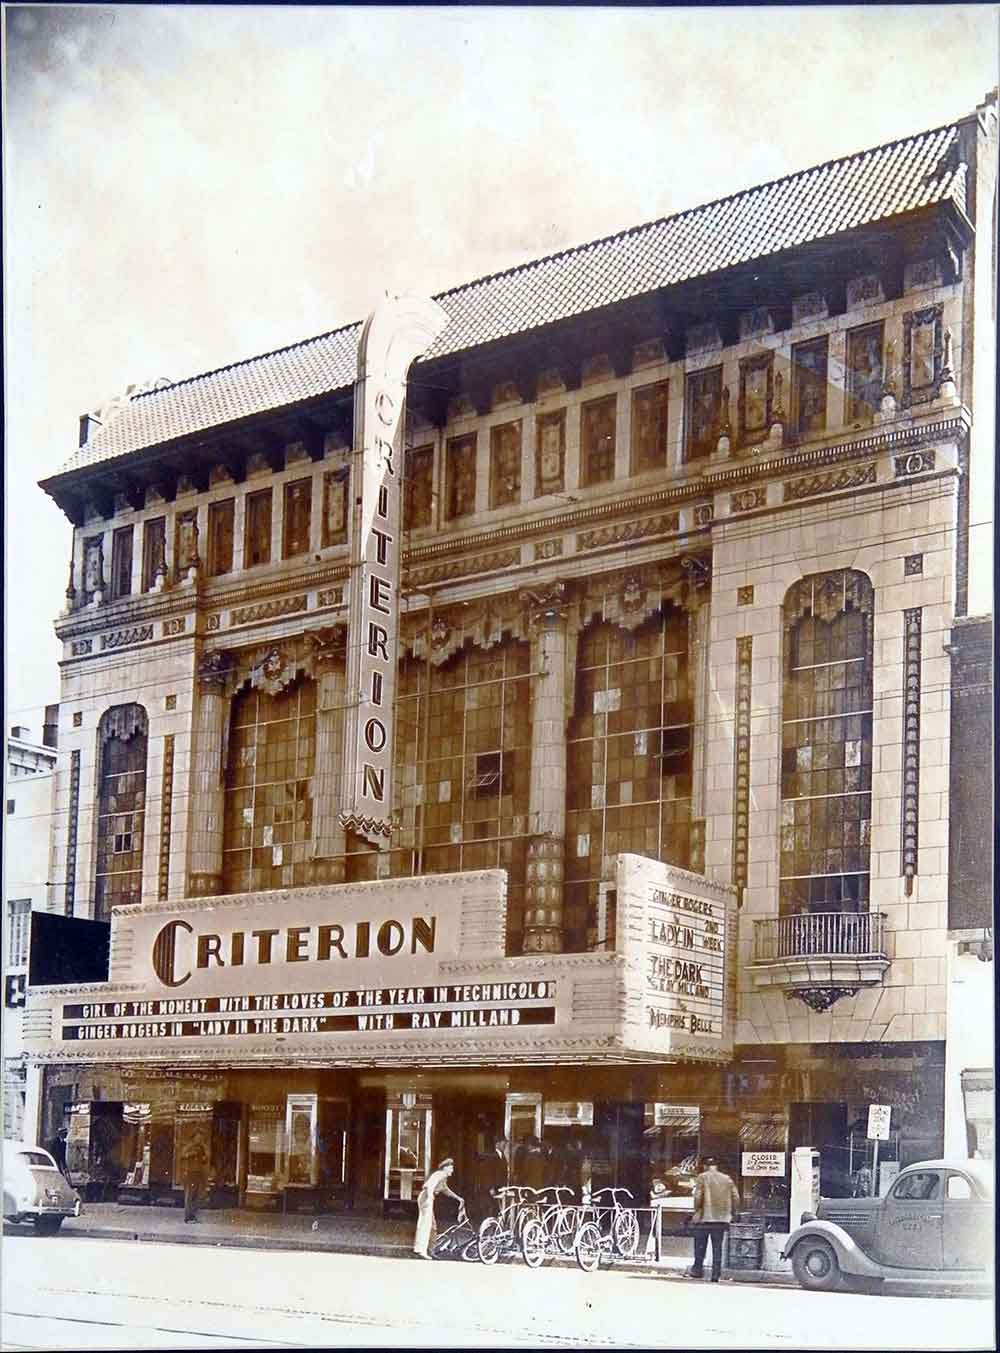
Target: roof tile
(859, 189)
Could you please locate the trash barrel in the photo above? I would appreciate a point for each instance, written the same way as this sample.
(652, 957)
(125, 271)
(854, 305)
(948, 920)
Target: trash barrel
(746, 1245)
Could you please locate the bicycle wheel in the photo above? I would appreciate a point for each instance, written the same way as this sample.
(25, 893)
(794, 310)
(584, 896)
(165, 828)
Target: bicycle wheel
(533, 1244)
(490, 1240)
(625, 1233)
(588, 1247)
(564, 1230)
(470, 1250)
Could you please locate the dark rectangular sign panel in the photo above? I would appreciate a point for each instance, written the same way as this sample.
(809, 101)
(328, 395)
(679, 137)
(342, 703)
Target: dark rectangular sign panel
(67, 949)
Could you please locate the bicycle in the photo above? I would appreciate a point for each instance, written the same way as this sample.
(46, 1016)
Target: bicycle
(612, 1232)
(550, 1225)
(458, 1241)
(502, 1234)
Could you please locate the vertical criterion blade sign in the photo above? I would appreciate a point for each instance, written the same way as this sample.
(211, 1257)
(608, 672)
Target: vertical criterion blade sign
(395, 334)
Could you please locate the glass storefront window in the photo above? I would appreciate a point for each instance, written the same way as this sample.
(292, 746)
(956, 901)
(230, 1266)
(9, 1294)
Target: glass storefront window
(265, 1147)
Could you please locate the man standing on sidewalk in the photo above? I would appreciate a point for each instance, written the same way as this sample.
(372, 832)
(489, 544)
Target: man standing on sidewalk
(715, 1199)
(194, 1167)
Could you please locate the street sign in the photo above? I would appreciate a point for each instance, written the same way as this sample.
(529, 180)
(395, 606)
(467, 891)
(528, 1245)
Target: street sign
(878, 1122)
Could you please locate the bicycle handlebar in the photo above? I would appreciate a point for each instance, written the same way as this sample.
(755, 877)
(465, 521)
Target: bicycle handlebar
(614, 1193)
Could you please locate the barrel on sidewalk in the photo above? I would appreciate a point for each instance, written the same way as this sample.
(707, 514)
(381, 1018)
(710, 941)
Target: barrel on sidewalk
(745, 1248)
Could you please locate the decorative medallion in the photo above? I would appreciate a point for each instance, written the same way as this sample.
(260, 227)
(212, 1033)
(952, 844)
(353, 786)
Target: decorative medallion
(820, 998)
(175, 626)
(744, 595)
(703, 514)
(913, 564)
(81, 647)
(748, 499)
(548, 549)
(915, 462)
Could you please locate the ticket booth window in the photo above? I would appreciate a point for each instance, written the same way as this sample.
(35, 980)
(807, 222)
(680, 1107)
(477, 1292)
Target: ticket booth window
(408, 1127)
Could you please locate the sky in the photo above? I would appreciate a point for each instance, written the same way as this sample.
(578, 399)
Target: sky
(186, 186)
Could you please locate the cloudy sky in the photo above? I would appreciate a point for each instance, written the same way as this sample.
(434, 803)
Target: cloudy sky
(186, 186)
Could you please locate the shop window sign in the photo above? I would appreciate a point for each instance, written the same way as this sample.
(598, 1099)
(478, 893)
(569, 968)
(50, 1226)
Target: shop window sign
(559, 1113)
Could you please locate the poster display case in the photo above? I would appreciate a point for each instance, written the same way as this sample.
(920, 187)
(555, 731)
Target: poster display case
(409, 1121)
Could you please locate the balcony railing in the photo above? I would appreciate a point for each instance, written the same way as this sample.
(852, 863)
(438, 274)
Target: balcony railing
(820, 934)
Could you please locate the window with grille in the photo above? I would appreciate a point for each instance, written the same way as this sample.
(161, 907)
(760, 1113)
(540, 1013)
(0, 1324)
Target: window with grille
(864, 373)
(809, 378)
(463, 768)
(756, 374)
(629, 758)
(550, 452)
(221, 517)
(418, 487)
(121, 563)
(336, 497)
(505, 464)
(257, 529)
(597, 440)
(649, 427)
(298, 513)
(702, 412)
(461, 477)
(121, 809)
(826, 744)
(154, 551)
(268, 814)
(18, 922)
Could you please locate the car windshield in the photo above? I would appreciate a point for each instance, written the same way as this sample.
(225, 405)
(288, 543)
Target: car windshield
(38, 1160)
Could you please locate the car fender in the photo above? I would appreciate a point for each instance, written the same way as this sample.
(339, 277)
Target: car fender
(851, 1258)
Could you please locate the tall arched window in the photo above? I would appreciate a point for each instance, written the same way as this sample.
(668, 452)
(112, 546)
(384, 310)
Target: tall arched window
(122, 738)
(826, 744)
(268, 818)
(463, 767)
(629, 757)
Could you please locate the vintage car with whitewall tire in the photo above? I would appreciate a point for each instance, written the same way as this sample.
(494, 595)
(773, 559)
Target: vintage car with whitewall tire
(34, 1189)
(934, 1227)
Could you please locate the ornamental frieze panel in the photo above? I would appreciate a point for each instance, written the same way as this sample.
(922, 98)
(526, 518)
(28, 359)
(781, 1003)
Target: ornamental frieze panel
(123, 638)
(273, 666)
(849, 477)
(622, 532)
(267, 610)
(461, 568)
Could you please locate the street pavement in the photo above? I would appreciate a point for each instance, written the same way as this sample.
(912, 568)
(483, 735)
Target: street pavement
(67, 1292)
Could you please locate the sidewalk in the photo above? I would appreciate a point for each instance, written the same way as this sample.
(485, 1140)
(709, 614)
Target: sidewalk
(337, 1233)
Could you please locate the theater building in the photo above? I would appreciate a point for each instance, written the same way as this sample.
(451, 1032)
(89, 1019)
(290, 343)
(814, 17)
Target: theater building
(684, 533)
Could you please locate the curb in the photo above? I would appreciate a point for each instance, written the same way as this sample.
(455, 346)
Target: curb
(382, 1250)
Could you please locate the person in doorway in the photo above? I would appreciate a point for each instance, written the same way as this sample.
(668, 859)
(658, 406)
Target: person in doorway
(862, 1182)
(716, 1198)
(494, 1175)
(57, 1150)
(194, 1173)
(435, 1183)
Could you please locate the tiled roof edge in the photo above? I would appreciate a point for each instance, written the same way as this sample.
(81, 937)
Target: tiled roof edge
(562, 253)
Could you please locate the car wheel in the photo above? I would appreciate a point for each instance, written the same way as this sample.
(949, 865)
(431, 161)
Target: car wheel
(48, 1225)
(490, 1240)
(815, 1266)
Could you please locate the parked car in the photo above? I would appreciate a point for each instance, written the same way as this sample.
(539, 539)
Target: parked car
(933, 1227)
(34, 1190)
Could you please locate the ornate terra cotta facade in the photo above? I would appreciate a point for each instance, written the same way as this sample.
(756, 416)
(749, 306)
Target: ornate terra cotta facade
(658, 602)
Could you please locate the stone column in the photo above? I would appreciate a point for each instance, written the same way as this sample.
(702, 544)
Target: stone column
(329, 648)
(208, 754)
(543, 904)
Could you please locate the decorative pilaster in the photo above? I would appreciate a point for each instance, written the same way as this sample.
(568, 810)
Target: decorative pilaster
(329, 653)
(912, 626)
(69, 900)
(166, 817)
(543, 904)
(208, 760)
(741, 772)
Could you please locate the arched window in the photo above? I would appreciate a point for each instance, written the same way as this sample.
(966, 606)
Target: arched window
(628, 758)
(826, 744)
(268, 818)
(122, 738)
